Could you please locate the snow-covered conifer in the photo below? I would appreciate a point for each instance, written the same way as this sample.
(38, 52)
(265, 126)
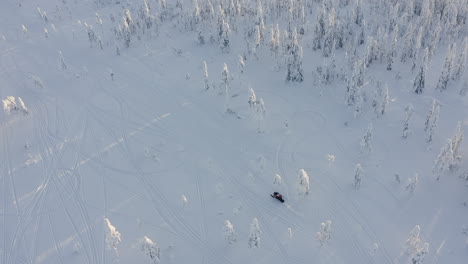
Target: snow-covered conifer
(241, 64)
(391, 53)
(225, 37)
(420, 254)
(261, 114)
(432, 120)
(412, 182)
(381, 99)
(413, 241)
(397, 177)
(63, 65)
(419, 80)
(460, 65)
(324, 235)
(9, 104)
(372, 50)
(112, 236)
(464, 90)
(408, 44)
(444, 78)
(457, 139)
(303, 182)
(319, 30)
(226, 79)
(275, 40)
(151, 249)
(295, 73)
(277, 180)
(354, 85)
(255, 232)
(22, 106)
(444, 160)
(366, 142)
(329, 37)
(184, 200)
(409, 112)
(358, 171)
(331, 159)
(205, 68)
(252, 98)
(229, 232)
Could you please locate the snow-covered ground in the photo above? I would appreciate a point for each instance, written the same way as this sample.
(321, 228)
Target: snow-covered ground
(130, 159)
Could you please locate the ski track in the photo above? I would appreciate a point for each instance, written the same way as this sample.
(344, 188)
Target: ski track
(246, 195)
(171, 218)
(367, 228)
(57, 247)
(40, 197)
(204, 228)
(364, 254)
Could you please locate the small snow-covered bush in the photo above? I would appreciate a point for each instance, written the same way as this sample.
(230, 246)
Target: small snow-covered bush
(255, 232)
(325, 232)
(11, 105)
(151, 249)
(112, 236)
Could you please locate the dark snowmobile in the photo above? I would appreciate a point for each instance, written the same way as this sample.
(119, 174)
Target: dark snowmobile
(277, 196)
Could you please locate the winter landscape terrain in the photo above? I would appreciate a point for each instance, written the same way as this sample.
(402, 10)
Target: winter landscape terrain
(154, 131)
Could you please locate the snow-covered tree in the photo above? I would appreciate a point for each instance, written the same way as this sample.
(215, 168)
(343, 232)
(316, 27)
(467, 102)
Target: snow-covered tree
(354, 85)
(397, 177)
(229, 232)
(324, 235)
(412, 183)
(205, 68)
(112, 236)
(460, 65)
(303, 182)
(444, 160)
(380, 100)
(277, 179)
(432, 120)
(409, 112)
(224, 36)
(448, 158)
(184, 200)
(22, 106)
(420, 254)
(419, 80)
(391, 52)
(151, 249)
(358, 171)
(275, 40)
(9, 104)
(366, 142)
(457, 139)
(63, 65)
(241, 64)
(447, 69)
(295, 73)
(252, 98)
(255, 232)
(261, 114)
(413, 241)
(226, 79)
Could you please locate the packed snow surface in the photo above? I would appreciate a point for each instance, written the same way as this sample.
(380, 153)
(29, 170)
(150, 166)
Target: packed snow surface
(155, 131)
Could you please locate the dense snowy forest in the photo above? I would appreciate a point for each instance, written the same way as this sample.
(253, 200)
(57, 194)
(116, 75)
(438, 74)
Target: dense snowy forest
(153, 131)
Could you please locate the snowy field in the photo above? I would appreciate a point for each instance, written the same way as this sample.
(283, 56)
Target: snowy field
(155, 131)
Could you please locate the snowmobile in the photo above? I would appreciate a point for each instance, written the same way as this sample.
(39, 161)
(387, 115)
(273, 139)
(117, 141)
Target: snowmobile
(277, 196)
